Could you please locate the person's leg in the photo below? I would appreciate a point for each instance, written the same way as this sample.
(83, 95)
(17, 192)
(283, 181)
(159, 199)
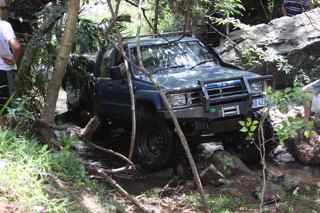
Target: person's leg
(11, 76)
(4, 87)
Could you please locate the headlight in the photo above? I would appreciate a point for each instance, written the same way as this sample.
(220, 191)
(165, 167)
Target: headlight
(257, 87)
(177, 100)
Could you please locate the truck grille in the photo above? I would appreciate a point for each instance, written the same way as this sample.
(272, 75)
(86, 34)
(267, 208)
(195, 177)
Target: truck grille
(224, 89)
(195, 98)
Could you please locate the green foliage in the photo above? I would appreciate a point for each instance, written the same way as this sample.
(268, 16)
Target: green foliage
(66, 165)
(26, 168)
(283, 99)
(251, 56)
(221, 204)
(19, 110)
(168, 21)
(89, 36)
(229, 8)
(23, 166)
(287, 126)
(217, 204)
(249, 127)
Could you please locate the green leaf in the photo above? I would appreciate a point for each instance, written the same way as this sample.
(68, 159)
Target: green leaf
(242, 123)
(307, 133)
(244, 129)
(253, 128)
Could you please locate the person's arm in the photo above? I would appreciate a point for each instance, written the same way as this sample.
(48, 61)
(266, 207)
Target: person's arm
(283, 8)
(16, 49)
(284, 11)
(14, 44)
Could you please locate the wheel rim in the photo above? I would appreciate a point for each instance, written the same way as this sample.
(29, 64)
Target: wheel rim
(152, 146)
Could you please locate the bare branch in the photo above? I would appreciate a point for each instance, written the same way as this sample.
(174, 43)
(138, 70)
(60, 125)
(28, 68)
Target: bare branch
(130, 84)
(123, 192)
(113, 153)
(156, 17)
(138, 34)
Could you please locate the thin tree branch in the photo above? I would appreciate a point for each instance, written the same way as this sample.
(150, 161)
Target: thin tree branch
(123, 192)
(138, 34)
(113, 153)
(130, 84)
(156, 17)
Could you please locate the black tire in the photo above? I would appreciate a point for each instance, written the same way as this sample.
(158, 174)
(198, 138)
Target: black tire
(155, 142)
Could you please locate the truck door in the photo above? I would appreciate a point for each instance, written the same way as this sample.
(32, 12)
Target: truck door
(112, 91)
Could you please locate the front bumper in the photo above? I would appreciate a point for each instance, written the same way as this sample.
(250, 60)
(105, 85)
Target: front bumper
(222, 102)
(197, 120)
(199, 112)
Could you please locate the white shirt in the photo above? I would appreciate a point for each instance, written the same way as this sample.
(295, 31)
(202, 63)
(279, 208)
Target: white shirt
(6, 34)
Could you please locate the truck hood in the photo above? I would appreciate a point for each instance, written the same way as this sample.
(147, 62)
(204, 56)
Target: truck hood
(184, 79)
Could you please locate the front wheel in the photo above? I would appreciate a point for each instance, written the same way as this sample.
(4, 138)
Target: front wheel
(155, 142)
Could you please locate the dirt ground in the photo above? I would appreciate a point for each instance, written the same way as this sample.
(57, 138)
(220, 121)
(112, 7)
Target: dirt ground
(293, 187)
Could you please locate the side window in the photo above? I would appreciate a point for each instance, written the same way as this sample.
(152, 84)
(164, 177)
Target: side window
(106, 64)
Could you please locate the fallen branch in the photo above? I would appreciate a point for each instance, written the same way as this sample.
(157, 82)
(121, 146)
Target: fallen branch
(94, 169)
(212, 168)
(123, 192)
(90, 128)
(113, 153)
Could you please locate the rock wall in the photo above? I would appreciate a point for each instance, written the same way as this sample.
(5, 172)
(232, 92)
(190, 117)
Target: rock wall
(296, 38)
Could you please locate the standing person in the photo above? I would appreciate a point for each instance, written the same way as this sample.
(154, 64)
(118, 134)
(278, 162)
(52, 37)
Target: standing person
(294, 7)
(10, 52)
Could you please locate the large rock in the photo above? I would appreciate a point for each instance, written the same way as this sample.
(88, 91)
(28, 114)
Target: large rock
(281, 155)
(307, 150)
(216, 165)
(296, 38)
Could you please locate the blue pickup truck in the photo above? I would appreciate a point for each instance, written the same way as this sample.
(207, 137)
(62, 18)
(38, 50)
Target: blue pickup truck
(207, 95)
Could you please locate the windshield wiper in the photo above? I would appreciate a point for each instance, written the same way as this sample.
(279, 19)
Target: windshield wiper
(202, 62)
(171, 67)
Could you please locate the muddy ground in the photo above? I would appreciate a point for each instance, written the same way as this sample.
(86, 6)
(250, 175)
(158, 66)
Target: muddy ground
(292, 187)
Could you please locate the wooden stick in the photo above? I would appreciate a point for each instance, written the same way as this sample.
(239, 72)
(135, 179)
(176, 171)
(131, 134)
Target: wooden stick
(113, 153)
(124, 193)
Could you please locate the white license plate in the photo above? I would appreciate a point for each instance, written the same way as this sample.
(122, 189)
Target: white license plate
(258, 102)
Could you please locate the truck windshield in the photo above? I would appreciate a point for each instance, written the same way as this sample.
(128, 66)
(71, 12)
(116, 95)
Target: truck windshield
(175, 56)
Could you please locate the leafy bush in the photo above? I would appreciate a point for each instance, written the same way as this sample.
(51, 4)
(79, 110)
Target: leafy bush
(222, 204)
(25, 171)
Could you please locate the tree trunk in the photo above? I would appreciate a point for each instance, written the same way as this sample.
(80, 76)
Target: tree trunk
(188, 16)
(24, 84)
(156, 17)
(64, 50)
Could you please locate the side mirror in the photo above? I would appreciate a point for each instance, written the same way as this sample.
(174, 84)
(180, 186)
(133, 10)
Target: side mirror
(117, 73)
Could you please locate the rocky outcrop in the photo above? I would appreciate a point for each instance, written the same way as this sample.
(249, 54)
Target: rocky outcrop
(295, 39)
(217, 165)
(307, 150)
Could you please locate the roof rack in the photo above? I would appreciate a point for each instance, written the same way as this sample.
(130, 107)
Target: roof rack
(159, 35)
